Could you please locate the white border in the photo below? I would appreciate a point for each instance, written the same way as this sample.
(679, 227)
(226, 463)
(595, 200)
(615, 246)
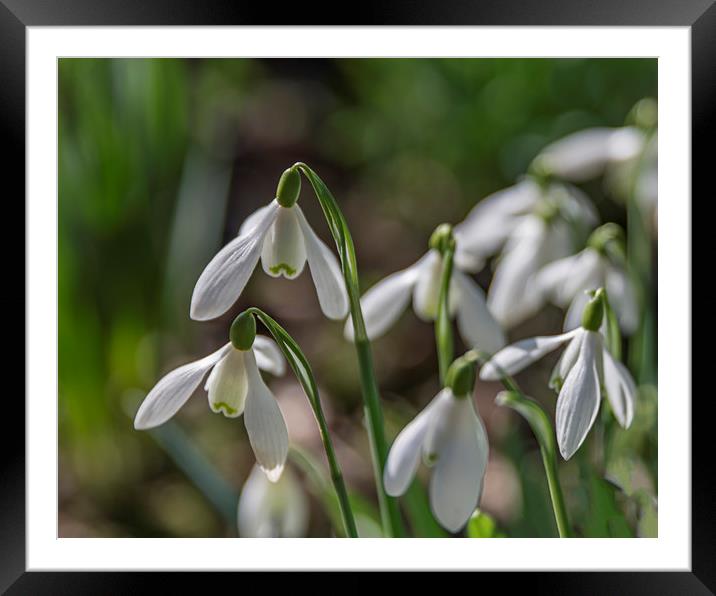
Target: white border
(670, 551)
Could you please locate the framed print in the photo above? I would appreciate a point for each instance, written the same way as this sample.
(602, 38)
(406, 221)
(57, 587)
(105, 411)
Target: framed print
(407, 294)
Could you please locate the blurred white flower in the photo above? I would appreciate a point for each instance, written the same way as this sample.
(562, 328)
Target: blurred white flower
(532, 226)
(567, 281)
(586, 154)
(285, 241)
(385, 301)
(234, 387)
(584, 373)
(272, 509)
(450, 436)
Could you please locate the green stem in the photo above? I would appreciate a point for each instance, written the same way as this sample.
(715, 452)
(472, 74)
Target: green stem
(443, 328)
(541, 427)
(389, 510)
(302, 369)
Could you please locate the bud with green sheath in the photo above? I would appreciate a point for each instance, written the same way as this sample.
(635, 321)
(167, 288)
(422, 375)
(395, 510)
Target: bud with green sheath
(289, 187)
(243, 331)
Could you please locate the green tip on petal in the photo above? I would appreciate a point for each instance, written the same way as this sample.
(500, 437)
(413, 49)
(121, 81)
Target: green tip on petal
(289, 187)
(243, 331)
(593, 312)
(460, 377)
(442, 238)
(644, 114)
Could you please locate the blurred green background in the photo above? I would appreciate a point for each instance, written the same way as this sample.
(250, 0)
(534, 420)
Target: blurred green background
(160, 160)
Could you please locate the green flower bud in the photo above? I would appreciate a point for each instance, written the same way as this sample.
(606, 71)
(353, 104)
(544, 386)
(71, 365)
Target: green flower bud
(243, 331)
(593, 313)
(644, 114)
(603, 236)
(442, 238)
(289, 187)
(460, 377)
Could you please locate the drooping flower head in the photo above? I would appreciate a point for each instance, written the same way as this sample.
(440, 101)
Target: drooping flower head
(450, 437)
(234, 387)
(529, 224)
(281, 236)
(272, 509)
(600, 265)
(386, 301)
(585, 372)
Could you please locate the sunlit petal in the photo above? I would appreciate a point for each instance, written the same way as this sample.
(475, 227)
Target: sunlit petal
(269, 356)
(172, 391)
(476, 323)
(225, 277)
(404, 455)
(325, 271)
(578, 401)
(517, 356)
(457, 479)
(620, 388)
(265, 424)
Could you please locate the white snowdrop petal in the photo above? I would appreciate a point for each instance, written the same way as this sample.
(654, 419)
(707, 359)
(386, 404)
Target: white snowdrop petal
(325, 271)
(620, 388)
(253, 219)
(227, 385)
(519, 355)
(476, 323)
(385, 302)
(268, 355)
(573, 316)
(489, 224)
(426, 291)
(567, 360)
(172, 391)
(265, 424)
(625, 143)
(439, 426)
(272, 510)
(225, 277)
(578, 401)
(404, 455)
(457, 478)
(513, 295)
(284, 248)
(622, 298)
(579, 156)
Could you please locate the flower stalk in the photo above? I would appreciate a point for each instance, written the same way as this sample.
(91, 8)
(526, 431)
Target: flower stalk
(543, 431)
(302, 369)
(443, 241)
(390, 513)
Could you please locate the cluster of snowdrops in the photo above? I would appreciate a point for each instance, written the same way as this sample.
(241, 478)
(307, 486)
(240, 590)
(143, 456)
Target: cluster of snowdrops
(548, 246)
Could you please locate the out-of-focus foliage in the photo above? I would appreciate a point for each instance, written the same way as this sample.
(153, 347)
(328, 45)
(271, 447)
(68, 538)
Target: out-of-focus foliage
(159, 163)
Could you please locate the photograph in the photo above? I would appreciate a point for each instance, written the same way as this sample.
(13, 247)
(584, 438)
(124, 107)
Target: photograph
(358, 297)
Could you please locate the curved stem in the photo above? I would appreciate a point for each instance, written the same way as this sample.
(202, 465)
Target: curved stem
(542, 428)
(443, 328)
(389, 511)
(302, 369)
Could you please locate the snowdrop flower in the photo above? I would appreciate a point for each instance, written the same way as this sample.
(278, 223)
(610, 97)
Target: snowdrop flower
(586, 154)
(533, 224)
(567, 280)
(584, 373)
(451, 437)
(385, 301)
(282, 237)
(272, 509)
(234, 387)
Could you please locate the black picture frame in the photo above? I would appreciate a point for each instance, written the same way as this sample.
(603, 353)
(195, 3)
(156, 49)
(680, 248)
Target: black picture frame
(17, 15)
